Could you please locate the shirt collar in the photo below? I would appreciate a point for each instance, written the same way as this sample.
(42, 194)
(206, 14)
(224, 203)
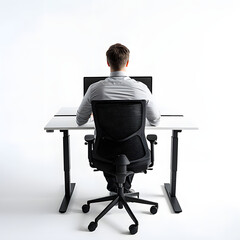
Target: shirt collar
(118, 74)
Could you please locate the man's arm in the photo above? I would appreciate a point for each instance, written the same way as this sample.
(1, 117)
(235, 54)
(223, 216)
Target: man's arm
(153, 113)
(85, 109)
(152, 110)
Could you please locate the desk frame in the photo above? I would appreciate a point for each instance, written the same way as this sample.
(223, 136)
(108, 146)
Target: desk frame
(69, 187)
(169, 187)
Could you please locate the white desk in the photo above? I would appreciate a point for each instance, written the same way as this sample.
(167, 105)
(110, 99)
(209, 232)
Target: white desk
(65, 120)
(71, 111)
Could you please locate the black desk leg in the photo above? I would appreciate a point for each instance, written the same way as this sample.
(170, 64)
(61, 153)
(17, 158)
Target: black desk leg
(69, 187)
(171, 188)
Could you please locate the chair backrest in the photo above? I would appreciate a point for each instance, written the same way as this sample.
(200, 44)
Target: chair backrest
(120, 129)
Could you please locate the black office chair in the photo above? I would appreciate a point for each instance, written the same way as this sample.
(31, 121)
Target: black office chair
(120, 149)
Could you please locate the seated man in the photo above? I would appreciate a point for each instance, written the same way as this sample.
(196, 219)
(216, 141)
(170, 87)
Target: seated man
(118, 87)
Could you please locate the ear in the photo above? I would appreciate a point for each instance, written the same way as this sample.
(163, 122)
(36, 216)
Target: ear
(127, 63)
(108, 64)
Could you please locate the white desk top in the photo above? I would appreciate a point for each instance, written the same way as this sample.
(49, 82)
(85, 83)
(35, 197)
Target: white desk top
(166, 123)
(65, 119)
(71, 111)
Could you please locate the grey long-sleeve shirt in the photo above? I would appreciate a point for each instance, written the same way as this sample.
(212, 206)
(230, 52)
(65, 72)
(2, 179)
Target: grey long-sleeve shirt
(118, 87)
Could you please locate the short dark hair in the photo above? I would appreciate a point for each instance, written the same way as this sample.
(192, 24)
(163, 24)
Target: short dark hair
(117, 56)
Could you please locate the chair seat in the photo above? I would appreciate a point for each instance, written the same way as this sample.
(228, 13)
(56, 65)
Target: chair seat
(111, 168)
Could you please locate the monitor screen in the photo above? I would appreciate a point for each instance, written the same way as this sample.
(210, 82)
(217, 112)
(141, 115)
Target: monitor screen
(87, 81)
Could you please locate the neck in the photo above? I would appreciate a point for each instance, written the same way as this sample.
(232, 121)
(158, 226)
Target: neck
(122, 70)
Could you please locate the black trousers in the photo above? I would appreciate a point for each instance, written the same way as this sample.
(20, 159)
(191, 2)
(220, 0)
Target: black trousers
(112, 184)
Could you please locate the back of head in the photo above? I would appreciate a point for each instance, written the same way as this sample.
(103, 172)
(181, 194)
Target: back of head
(117, 56)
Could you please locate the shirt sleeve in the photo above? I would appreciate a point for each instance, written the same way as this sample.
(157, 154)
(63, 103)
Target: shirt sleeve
(85, 109)
(152, 110)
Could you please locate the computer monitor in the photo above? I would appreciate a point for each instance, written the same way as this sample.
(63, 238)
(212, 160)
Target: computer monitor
(87, 81)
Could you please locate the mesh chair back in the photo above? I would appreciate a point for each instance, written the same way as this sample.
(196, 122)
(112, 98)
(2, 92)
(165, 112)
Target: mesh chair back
(120, 126)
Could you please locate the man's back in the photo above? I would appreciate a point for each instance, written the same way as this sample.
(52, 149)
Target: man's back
(118, 87)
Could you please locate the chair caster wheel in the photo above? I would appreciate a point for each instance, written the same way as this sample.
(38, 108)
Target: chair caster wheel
(133, 229)
(153, 209)
(92, 226)
(85, 208)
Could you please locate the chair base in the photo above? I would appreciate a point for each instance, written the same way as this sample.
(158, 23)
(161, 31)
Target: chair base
(120, 199)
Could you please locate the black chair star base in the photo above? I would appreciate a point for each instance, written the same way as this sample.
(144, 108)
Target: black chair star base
(121, 199)
(120, 149)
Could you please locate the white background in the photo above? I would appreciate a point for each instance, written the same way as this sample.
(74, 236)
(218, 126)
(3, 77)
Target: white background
(192, 50)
